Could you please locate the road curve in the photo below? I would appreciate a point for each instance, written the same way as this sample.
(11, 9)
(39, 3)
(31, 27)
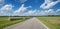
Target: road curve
(32, 23)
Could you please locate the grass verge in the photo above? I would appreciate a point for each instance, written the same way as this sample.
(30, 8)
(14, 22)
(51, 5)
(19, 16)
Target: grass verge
(5, 23)
(51, 22)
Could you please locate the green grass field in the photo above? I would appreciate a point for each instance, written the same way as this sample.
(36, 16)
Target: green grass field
(51, 22)
(4, 22)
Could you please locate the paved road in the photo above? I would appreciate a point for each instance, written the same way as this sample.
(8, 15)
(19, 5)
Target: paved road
(33, 23)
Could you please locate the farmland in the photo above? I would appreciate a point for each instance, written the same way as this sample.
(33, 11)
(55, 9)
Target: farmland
(4, 22)
(51, 22)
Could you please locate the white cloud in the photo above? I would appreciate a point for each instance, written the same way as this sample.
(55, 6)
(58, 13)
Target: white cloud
(48, 4)
(21, 9)
(39, 13)
(48, 12)
(21, 1)
(30, 13)
(59, 0)
(1, 1)
(6, 10)
(57, 10)
(30, 6)
(7, 7)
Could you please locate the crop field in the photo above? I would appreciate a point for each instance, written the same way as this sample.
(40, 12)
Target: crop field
(51, 22)
(4, 22)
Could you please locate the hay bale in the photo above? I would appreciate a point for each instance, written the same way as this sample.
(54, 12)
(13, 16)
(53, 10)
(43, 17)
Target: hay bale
(13, 18)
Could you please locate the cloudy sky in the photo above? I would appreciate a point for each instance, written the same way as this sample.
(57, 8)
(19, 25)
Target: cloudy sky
(29, 7)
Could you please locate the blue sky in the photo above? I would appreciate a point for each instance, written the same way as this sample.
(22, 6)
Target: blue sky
(29, 7)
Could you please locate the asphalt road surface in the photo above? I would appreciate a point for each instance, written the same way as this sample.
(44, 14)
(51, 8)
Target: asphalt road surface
(32, 23)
